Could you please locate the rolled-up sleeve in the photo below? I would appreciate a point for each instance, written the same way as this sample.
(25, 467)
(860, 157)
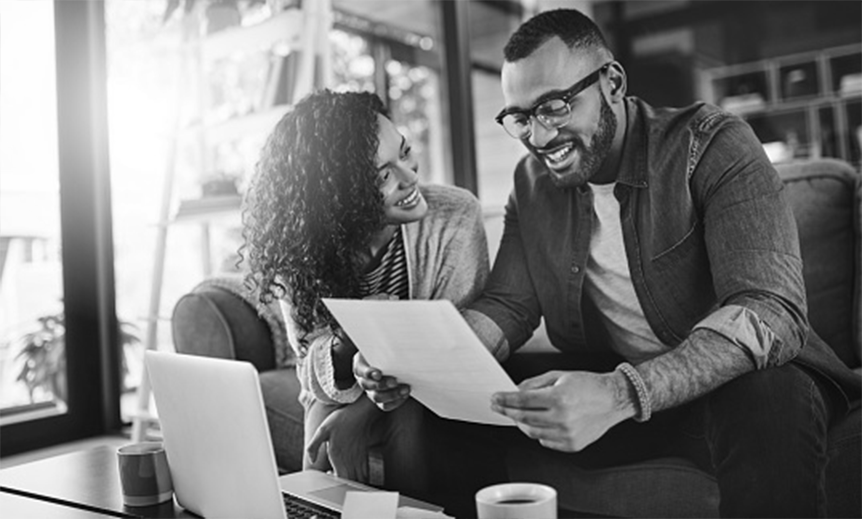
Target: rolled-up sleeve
(314, 368)
(746, 330)
(489, 333)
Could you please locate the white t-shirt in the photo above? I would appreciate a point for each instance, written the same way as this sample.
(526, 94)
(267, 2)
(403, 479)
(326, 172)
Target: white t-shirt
(609, 283)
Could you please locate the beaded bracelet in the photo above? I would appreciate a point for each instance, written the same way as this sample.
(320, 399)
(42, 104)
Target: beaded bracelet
(640, 388)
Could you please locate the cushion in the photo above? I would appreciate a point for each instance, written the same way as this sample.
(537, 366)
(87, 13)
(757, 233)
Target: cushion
(825, 198)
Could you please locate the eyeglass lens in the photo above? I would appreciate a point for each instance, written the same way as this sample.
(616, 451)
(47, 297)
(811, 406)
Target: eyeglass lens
(551, 114)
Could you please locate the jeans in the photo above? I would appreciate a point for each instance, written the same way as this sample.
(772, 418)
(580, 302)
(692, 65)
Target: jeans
(763, 436)
(397, 454)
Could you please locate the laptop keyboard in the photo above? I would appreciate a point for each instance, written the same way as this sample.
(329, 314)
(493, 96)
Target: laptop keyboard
(298, 508)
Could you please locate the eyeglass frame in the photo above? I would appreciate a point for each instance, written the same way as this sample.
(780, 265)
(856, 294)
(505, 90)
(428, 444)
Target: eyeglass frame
(566, 96)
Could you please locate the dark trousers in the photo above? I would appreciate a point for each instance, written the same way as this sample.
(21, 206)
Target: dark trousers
(763, 437)
(398, 459)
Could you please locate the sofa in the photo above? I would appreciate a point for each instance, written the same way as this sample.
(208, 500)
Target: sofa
(220, 318)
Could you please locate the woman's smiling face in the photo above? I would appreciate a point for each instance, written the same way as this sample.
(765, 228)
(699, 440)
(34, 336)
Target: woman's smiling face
(397, 174)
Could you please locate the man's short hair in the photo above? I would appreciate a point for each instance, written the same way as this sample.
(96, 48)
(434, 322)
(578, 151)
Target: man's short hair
(570, 25)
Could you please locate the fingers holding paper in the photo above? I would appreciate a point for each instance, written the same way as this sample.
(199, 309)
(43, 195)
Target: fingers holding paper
(565, 410)
(385, 391)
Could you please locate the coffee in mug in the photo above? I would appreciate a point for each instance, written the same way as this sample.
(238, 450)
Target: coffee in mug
(517, 501)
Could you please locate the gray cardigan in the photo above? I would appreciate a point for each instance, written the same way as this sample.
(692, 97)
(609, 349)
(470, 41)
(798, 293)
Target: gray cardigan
(447, 258)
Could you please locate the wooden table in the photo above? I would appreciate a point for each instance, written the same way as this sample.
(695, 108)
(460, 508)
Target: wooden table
(82, 484)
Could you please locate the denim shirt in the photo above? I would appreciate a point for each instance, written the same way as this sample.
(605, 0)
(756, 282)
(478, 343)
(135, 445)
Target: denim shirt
(709, 238)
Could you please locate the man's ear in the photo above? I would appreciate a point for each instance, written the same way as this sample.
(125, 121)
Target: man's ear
(617, 78)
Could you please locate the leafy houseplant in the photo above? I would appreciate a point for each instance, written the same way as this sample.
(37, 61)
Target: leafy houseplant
(42, 356)
(220, 14)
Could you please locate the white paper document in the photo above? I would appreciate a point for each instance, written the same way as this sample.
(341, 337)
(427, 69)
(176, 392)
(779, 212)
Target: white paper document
(428, 345)
(364, 505)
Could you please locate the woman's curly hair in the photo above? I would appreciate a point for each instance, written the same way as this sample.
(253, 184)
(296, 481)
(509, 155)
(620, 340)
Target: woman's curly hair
(314, 203)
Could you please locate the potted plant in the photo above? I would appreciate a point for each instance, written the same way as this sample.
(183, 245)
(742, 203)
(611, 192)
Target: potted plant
(42, 356)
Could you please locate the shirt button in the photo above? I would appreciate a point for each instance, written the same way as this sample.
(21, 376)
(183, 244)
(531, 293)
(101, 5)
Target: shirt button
(576, 269)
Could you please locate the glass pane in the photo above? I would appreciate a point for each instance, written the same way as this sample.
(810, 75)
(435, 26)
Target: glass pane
(742, 92)
(799, 80)
(847, 74)
(491, 24)
(352, 64)
(32, 345)
(414, 101)
(392, 49)
(784, 134)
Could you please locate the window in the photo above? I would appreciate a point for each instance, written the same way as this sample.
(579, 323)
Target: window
(55, 362)
(32, 333)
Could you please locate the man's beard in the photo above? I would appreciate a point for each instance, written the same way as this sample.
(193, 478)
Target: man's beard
(593, 156)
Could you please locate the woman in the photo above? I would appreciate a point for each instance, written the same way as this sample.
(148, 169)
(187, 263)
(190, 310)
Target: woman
(335, 210)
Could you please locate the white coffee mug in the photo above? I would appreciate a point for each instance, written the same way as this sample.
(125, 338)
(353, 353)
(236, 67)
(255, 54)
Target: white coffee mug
(517, 501)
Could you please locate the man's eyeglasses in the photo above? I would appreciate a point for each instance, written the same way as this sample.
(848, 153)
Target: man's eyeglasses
(551, 113)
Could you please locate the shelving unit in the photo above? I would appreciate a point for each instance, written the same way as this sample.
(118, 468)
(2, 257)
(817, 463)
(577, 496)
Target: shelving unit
(296, 43)
(803, 105)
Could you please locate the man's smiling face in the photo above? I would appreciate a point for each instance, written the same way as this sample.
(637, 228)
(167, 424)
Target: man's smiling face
(575, 151)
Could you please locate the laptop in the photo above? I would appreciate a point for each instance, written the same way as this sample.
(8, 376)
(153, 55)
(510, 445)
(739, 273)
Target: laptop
(219, 450)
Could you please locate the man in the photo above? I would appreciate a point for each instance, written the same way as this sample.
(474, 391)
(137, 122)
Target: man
(660, 237)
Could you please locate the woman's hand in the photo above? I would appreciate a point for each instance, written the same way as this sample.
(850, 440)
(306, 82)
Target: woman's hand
(386, 392)
(349, 434)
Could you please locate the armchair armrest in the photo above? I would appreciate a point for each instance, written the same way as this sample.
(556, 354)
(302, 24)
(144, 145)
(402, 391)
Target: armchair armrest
(219, 318)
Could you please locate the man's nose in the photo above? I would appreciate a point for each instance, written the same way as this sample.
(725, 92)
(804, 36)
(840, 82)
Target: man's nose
(540, 135)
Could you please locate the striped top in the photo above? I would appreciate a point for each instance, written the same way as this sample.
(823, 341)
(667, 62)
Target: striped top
(390, 275)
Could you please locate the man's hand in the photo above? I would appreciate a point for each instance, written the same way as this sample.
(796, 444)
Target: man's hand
(348, 433)
(567, 410)
(384, 391)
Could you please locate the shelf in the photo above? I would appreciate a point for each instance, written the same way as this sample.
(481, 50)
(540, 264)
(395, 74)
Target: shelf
(284, 29)
(239, 127)
(209, 208)
(799, 106)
